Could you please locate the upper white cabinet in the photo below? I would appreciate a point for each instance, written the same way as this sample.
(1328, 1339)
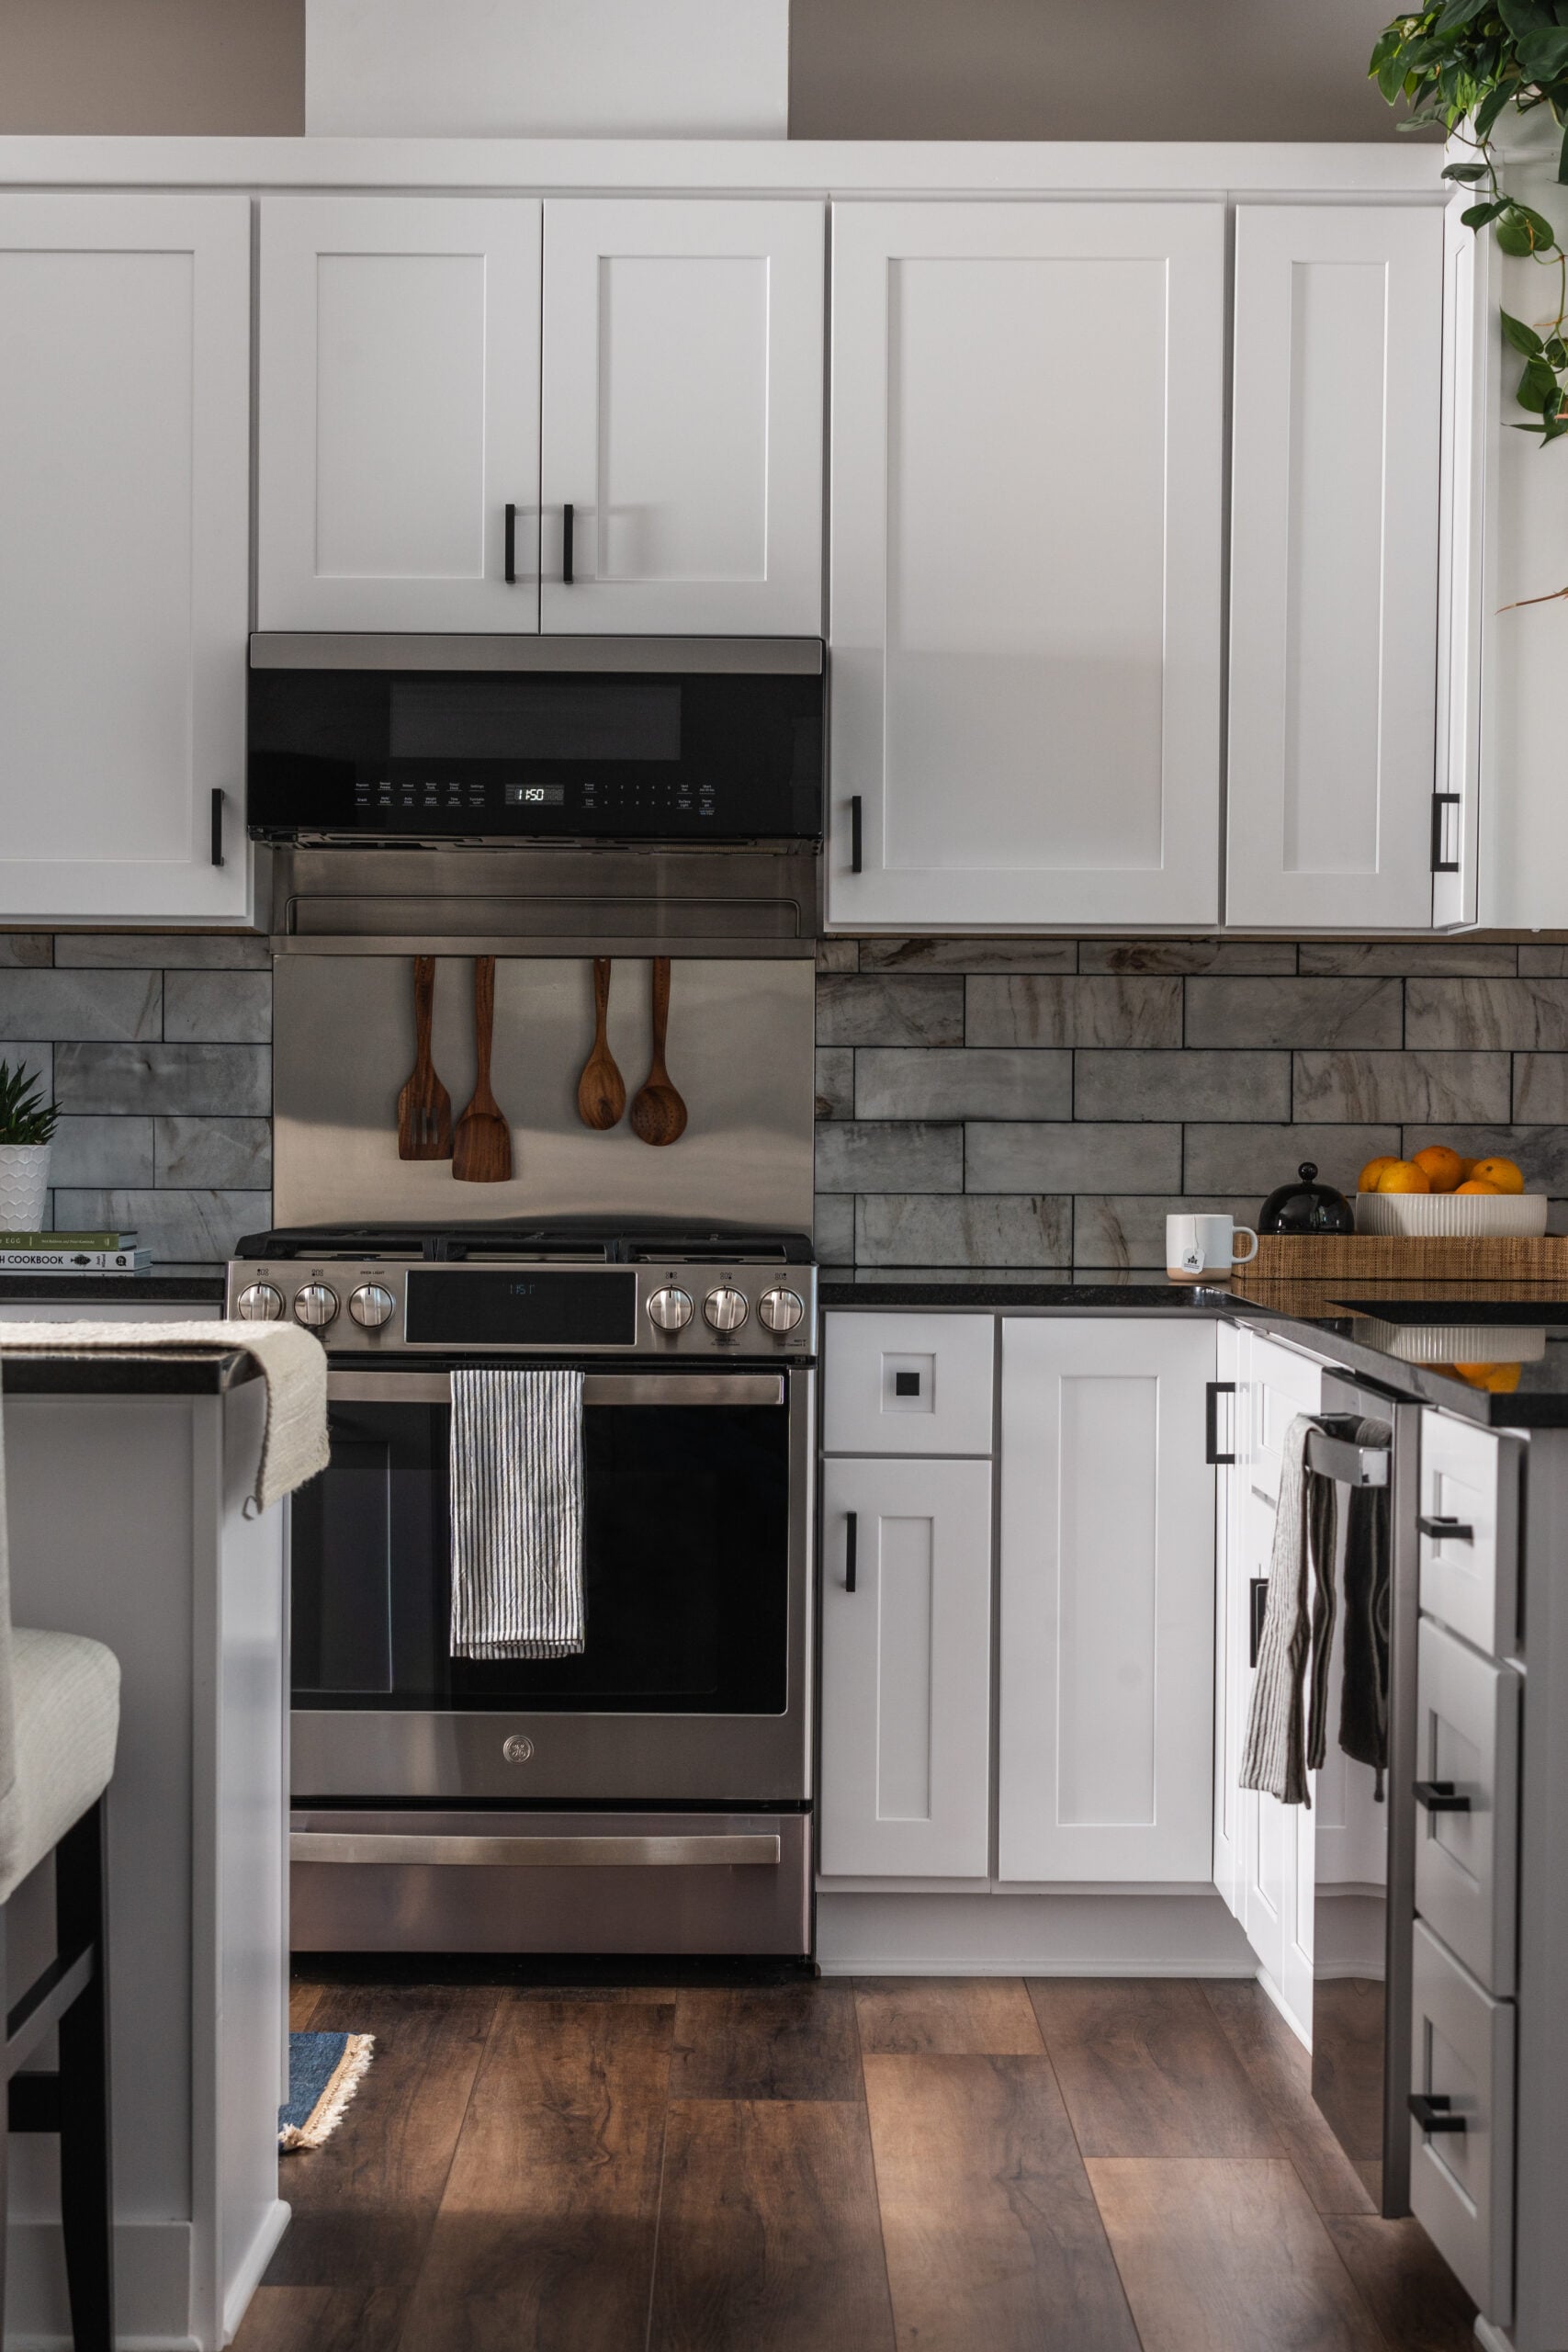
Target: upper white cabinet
(1027, 444)
(1335, 512)
(683, 417)
(124, 556)
(400, 412)
(1107, 1601)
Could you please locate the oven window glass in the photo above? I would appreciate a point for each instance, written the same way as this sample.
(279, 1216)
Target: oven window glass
(686, 1558)
(529, 718)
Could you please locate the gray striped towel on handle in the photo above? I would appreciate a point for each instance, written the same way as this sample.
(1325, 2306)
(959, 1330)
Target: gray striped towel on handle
(1275, 1758)
(518, 1515)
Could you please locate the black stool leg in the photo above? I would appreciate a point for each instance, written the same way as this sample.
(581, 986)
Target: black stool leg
(87, 2188)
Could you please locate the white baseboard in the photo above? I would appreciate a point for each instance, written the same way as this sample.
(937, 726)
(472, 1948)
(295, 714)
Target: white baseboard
(1301, 2031)
(248, 2270)
(1030, 1934)
(1487, 2332)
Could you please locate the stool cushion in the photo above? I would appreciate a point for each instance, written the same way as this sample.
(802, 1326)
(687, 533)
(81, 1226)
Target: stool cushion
(67, 1721)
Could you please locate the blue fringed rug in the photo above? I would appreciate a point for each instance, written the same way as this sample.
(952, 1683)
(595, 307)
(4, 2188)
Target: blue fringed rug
(324, 2072)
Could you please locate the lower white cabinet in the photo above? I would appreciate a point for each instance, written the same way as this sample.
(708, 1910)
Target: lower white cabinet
(1107, 1601)
(1461, 2130)
(905, 1669)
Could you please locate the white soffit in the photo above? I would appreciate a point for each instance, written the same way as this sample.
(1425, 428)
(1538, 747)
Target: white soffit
(570, 69)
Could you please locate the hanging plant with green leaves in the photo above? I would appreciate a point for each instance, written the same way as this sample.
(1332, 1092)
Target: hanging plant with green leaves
(1461, 64)
(24, 1117)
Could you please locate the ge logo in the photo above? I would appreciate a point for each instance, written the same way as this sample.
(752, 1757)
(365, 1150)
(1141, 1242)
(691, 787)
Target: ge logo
(517, 1748)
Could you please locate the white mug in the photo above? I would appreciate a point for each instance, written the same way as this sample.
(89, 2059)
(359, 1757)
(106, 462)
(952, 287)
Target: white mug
(1197, 1247)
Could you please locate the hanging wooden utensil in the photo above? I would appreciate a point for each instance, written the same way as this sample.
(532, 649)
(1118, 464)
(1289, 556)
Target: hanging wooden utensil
(481, 1147)
(601, 1090)
(425, 1107)
(659, 1116)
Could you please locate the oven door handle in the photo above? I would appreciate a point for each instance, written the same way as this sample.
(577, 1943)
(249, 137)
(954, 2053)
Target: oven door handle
(416, 1388)
(725, 1849)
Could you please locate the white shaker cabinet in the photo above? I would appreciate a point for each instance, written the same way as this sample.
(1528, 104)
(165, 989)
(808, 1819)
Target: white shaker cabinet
(1027, 437)
(1106, 1728)
(1335, 511)
(124, 557)
(398, 413)
(682, 425)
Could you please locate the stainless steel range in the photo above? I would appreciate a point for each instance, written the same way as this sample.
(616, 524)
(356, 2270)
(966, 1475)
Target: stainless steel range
(651, 1794)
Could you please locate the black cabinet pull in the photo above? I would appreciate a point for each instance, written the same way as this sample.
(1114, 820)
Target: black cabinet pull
(852, 1534)
(216, 825)
(854, 833)
(1453, 1530)
(1433, 2113)
(1258, 1609)
(566, 538)
(510, 567)
(1441, 803)
(1440, 1796)
(1213, 1391)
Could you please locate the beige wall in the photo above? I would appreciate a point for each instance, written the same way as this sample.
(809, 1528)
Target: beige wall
(859, 69)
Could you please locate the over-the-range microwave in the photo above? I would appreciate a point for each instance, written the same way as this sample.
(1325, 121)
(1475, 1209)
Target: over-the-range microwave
(366, 738)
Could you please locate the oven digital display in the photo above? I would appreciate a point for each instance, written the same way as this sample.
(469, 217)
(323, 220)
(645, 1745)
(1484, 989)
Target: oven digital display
(521, 1307)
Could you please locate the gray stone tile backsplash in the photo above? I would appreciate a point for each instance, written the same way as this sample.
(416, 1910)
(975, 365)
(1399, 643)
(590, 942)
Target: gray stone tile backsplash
(1020, 1107)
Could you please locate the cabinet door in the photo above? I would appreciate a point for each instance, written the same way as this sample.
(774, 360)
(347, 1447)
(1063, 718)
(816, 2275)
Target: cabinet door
(1025, 571)
(905, 1669)
(683, 417)
(1334, 564)
(1107, 1601)
(124, 556)
(1231, 1673)
(400, 412)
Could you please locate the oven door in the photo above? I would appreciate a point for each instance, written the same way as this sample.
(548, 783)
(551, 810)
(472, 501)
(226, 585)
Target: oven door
(693, 1684)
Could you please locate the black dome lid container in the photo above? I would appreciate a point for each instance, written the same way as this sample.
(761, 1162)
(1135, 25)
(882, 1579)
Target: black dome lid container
(1307, 1207)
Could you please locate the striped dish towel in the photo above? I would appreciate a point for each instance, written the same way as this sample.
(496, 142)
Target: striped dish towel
(517, 1514)
(1275, 1756)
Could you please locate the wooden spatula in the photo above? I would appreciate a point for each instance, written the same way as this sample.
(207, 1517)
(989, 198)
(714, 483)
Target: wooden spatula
(601, 1090)
(659, 1116)
(425, 1107)
(481, 1147)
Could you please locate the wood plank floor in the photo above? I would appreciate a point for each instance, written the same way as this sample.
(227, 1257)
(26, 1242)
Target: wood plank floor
(893, 2166)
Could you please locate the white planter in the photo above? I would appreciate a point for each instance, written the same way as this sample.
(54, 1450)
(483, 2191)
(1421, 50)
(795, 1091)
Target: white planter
(24, 1186)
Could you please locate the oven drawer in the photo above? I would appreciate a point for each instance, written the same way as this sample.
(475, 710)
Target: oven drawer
(1462, 2179)
(907, 1384)
(1467, 1750)
(1470, 1535)
(551, 1882)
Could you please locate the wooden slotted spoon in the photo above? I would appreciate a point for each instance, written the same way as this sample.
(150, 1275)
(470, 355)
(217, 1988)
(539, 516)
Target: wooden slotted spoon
(481, 1147)
(659, 1116)
(601, 1090)
(425, 1107)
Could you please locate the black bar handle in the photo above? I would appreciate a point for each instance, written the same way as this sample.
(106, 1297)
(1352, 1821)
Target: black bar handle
(1441, 803)
(1433, 2112)
(567, 520)
(510, 567)
(851, 1544)
(1213, 1391)
(217, 824)
(1441, 1796)
(1453, 1530)
(1258, 1609)
(855, 860)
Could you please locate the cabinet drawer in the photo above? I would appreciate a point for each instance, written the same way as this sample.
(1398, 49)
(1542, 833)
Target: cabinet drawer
(1282, 1384)
(1468, 1750)
(907, 1384)
(1470, 1496)
(1461, 2182)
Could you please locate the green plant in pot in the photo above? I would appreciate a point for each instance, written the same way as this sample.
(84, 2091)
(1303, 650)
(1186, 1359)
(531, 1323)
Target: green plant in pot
(27, 1129)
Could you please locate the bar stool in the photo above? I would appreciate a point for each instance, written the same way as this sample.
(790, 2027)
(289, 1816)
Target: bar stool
(58, 1723)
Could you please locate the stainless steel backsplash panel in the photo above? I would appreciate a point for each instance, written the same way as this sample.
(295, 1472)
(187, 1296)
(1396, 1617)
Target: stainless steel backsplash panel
(740, 1050)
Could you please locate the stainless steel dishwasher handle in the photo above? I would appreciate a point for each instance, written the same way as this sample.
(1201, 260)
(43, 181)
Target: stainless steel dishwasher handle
(598, 1388)
(723, 1849)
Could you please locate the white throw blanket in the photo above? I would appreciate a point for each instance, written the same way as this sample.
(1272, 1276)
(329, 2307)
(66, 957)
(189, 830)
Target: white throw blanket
(292, 1364)
(518, 1515)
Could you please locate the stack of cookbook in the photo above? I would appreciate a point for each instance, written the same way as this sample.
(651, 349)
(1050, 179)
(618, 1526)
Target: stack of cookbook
(71, 1253)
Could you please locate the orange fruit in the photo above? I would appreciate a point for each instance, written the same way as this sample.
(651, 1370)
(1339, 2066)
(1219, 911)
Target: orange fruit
(1503, 1173)
(1442, 1168)
(1498, 1379)
(1478, 1184)
(1367, 1181)
(1404, 1176)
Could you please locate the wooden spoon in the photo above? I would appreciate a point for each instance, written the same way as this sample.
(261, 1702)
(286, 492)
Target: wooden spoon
(425, 1107)
(659, 1116)
(482, 1148)
(601, 1090)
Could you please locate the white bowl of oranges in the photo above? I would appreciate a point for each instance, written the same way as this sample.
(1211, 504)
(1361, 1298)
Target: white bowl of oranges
(1439, 1192)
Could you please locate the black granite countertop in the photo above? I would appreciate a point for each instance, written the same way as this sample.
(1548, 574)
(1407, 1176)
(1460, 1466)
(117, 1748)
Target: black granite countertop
(150, 1374)
(1065, 1298)
(158, 1286)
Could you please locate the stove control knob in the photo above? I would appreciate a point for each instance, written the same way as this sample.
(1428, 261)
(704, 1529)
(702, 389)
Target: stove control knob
(371, 1306)
(315, 1305)
(670, 1309)
(781, 1310)
(259, 1303)
(726, 1308)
